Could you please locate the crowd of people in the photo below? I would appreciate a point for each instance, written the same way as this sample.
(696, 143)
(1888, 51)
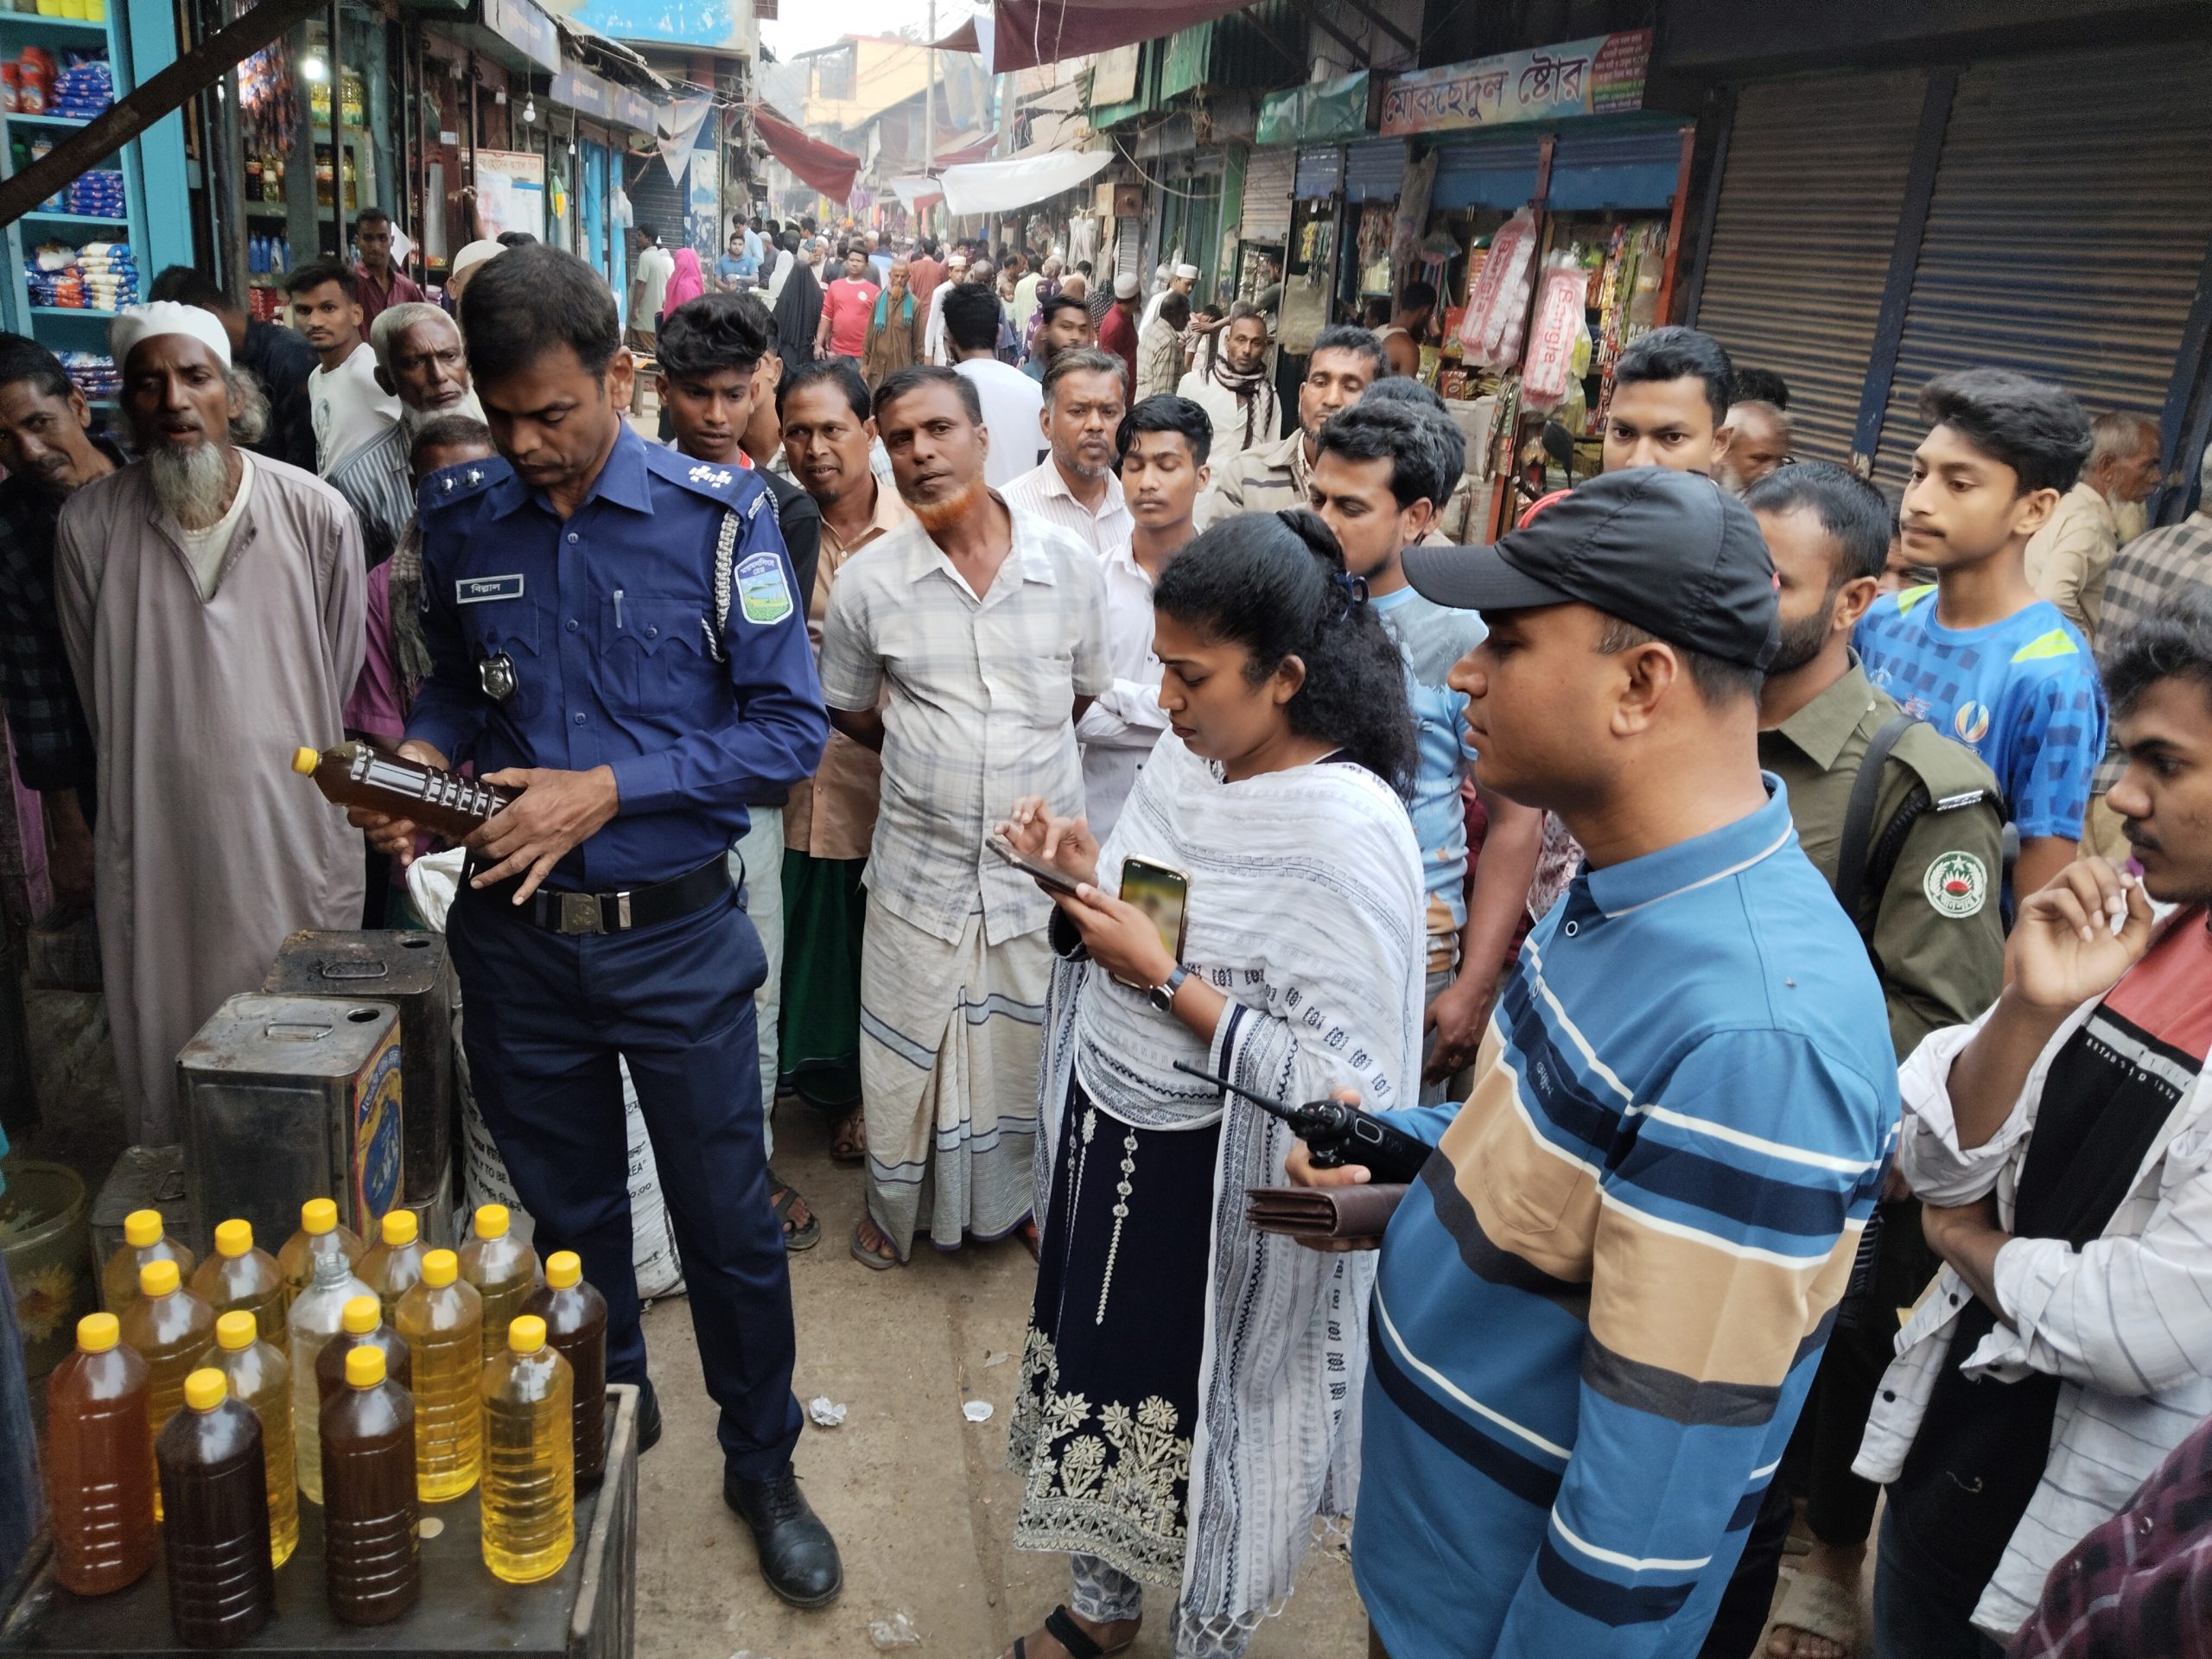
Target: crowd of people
(1781, 912)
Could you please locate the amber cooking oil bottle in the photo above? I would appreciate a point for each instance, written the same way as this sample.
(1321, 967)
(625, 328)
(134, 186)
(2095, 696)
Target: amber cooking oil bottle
(443, 1322)
(169, 1328)
(394, 1264)
(239, 1276)
(99, 1463)
(260, 1378)
(503, 1268)
(530, 1466)
(144, 1240)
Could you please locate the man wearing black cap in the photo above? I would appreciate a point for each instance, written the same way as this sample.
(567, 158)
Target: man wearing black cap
(1598, 1311)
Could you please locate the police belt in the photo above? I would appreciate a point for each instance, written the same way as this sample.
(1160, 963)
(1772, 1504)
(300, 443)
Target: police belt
(611, 912)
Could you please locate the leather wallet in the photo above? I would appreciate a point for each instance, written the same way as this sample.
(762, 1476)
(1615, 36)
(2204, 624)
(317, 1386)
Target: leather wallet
(1324, 1212)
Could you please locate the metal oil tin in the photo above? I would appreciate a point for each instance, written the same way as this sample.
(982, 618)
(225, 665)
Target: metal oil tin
(411, 971)
(288, 1098)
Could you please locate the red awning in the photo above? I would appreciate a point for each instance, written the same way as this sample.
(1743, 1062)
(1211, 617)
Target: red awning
(1027, 33)
(960, 150)
(824, 166)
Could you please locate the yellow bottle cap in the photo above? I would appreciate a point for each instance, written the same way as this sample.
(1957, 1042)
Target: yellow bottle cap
(365, 1366)
(158, 1279)
(318, 1215)
(360, 1315)
(305, 760)
(233, 1237)
(491, 1221)
(527, 1335)
(98, 1332)
(563, 1269)
(236, 1329)
(440, 1267)
(142, 1228)
(205, 1389)
(400, 1227)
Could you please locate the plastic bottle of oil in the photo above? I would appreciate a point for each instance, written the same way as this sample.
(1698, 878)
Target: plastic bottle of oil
(529, 1471)
(319, 1235)
(375, 1565)
(258, 1378)
(169, 1328)
(443, 1320)
(144, 1240)
(99, 1462)
(576, 1328)
(394, 1264)
(503, 1268)
(239, 1275)
(361, 1324)
(215, 1485)
(317, 1312)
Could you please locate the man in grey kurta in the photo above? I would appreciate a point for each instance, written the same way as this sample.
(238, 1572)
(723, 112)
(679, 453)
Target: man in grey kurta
(212, 605)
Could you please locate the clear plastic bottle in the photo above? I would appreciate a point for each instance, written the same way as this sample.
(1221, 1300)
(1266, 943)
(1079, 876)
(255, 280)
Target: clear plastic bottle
(144, 1240)
(99, 1462)
(374, 1562)
(394, 1265)
(361, 1325)
(238, 1275)
(530, 1473)
(222, 1576)
(260, 1379)
(169, 1328)
(503, 1268)
(443, 1320)
(319, 1235)
(575, 1327)
(317, 1312)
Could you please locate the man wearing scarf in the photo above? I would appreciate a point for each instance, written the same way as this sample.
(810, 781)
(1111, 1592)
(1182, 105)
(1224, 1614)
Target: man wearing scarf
(1234, 387)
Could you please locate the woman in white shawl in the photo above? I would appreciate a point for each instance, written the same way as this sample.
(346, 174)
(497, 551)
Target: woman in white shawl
(1187, 1407)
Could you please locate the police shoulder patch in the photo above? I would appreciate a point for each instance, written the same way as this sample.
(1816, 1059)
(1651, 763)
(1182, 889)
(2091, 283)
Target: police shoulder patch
(1956, 885)
(451, 486)
(763, 595)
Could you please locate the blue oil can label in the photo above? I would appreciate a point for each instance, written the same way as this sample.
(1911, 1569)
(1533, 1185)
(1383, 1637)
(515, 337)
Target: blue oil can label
(377, 1109)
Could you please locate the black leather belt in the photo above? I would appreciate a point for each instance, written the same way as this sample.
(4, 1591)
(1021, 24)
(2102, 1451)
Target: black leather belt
(611, 912)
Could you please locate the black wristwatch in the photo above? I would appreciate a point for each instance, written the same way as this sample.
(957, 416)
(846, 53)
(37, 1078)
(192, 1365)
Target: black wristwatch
(1163, 996)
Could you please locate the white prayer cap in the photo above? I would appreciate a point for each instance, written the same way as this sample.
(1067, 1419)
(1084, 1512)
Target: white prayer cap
(1188, 273)
(474, 253)
(959, 262)
(1125, 287)
(143, 322)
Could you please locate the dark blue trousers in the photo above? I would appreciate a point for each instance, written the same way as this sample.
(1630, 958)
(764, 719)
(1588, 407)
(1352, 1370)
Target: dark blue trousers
(547, 1016)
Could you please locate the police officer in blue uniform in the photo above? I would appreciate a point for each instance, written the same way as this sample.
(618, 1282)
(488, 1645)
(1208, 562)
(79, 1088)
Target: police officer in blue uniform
(615, 630)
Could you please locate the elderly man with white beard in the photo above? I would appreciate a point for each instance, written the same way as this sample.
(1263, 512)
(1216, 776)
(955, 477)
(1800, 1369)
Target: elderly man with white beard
(420, 361)
(211, 604)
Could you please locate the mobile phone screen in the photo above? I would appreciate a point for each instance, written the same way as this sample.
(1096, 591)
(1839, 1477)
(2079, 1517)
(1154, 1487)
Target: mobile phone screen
(1160, 894)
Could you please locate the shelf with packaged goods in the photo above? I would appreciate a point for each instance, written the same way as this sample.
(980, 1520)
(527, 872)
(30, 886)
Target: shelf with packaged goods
(55, 217)
(15, 118)
(73, 313)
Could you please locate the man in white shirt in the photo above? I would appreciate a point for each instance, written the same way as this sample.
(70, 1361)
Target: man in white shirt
(1183, 280)
(1074, 486)
(1162, 446)
(1013, 403)
(1233, 387)
(935, 348)
(649, 282)
(348, 407)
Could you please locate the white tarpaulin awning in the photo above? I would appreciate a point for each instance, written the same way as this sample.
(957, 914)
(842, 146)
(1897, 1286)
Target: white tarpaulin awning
(1001, 187)
(915, 192)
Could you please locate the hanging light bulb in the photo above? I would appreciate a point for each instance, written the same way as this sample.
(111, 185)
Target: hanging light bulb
(530, 107)
(313, 68)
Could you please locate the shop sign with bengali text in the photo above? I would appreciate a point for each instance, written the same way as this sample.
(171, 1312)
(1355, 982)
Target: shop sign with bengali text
(1600, 76)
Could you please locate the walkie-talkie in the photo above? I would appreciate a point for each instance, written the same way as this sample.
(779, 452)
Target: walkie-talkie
(1337, 1134)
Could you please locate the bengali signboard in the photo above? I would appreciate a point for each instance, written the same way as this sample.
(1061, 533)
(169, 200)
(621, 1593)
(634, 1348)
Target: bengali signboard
(1600, 76)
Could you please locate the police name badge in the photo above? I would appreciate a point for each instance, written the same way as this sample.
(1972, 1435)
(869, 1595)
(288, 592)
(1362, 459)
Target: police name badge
(763, 595)
(1957, 884)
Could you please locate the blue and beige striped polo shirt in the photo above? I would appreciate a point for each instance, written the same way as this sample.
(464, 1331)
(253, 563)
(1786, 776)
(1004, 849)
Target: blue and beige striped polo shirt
(1599, 1312)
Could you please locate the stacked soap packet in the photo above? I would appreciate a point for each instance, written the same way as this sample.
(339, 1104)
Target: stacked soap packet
(111, 275)
(98, 192)
(93, 373)
(84, 89)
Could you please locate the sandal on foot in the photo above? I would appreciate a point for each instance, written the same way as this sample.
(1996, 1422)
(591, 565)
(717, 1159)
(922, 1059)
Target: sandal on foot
(848, 1141)
(1060, 1626)
(1818, 1607)
(869, 1258)
(783, 1195)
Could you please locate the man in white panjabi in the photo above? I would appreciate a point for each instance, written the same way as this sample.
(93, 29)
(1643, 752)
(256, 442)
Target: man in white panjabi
(212, 604)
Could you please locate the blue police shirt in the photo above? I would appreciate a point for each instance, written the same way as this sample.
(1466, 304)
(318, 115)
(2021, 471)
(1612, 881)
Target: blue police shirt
(607, 617)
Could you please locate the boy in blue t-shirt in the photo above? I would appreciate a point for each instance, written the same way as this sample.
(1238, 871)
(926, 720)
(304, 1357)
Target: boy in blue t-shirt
(1383, 468)
(1979, 655)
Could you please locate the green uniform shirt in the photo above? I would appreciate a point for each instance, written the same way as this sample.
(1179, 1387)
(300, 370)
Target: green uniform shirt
(1938, 940)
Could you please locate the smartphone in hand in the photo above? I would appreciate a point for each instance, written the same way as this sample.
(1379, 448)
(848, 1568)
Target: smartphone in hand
(1162, 893)
(1048, 876)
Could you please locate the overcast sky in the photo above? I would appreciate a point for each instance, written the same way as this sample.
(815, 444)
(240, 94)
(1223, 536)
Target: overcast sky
(806, 24)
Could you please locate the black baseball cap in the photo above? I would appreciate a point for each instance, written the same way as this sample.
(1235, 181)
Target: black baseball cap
(1670, 552)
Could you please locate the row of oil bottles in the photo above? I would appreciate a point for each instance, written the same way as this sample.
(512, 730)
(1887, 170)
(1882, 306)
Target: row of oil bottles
(372, 1381)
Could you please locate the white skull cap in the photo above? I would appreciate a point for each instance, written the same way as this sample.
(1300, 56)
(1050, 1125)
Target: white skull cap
(143, 322)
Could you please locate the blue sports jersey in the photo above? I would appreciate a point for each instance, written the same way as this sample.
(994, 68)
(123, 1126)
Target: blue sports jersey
(2023, 694)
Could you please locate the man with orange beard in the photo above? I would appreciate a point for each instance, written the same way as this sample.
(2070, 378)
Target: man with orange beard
(964, 647)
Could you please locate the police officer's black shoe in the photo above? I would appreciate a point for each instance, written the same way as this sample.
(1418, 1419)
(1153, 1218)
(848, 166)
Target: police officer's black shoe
(797, 1555)
(648, 1418)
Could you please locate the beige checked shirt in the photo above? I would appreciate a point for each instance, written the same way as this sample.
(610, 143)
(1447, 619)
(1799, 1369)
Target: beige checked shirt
(1263, 479)
(978, 699)
(1042, 491)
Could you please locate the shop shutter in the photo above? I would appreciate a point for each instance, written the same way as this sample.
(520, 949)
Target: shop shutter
(655, 200)
(1600, 170)
(1269, 177)
(1800, 244)
(1499, 172)
(1320, 171)
(2067, 234)
(1374, 170)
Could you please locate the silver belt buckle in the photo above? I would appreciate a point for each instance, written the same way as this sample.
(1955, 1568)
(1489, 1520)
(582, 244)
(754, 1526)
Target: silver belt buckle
(580, 913)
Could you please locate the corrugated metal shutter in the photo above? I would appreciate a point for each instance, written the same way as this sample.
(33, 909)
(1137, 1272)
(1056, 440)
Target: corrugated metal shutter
(1374, 170)
(1270, 176)
(1485, 172)
(655, 200)
(1800, 244)
(1320, 171)
(2067, 232)
(1596, 170)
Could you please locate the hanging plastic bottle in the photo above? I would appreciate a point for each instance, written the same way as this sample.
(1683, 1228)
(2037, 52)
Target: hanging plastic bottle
(375, 1563)
(238, 1275)
(575, 1327)
(169, 1328)
(319, 1235)
(222, 1572)
(317, 1314)
(260, 1379)
(99, 1462)
(394, 1265)
(530, 1473)
(503, 1268)
(443, 1322)
(144, 1240)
